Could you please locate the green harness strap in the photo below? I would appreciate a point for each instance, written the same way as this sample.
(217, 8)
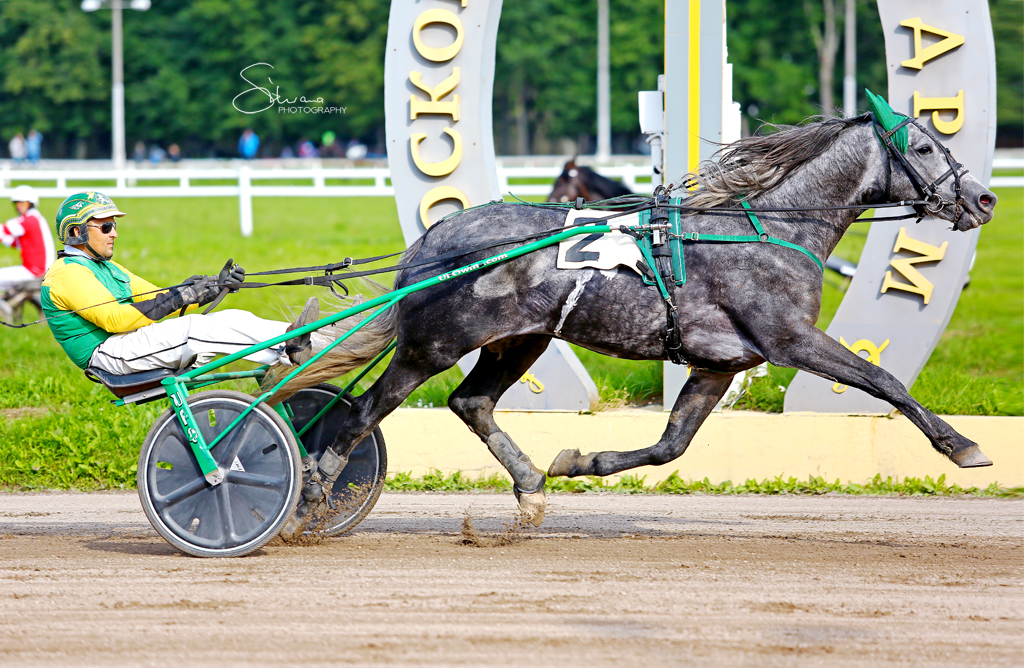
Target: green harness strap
(677, 238)
(761, 236)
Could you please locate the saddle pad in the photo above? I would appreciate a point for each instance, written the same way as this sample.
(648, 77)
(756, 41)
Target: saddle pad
(600, 251)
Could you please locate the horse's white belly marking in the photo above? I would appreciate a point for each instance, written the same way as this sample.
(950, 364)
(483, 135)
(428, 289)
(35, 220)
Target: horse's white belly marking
(573, 299)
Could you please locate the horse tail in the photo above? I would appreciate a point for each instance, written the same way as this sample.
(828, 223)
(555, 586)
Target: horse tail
(350, 354)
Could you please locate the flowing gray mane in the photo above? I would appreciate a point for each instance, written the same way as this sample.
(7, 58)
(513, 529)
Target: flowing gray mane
(757, 164)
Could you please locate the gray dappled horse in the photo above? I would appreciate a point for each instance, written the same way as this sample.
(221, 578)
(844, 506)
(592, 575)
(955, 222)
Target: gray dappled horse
(742, 303)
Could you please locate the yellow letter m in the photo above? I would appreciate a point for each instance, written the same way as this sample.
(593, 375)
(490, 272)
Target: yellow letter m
(905, 266)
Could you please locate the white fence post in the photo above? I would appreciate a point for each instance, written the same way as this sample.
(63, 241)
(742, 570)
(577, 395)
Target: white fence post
(245, 200)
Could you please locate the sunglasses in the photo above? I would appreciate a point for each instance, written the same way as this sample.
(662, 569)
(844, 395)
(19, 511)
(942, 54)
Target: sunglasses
(106, 228)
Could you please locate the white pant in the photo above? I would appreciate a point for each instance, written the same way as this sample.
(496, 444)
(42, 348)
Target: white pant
(10, 276)
(174, 343)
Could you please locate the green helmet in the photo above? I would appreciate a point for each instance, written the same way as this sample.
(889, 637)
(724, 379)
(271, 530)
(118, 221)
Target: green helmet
(76, 211)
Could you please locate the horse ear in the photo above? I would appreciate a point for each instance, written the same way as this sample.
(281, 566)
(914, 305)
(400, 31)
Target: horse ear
(889, 119)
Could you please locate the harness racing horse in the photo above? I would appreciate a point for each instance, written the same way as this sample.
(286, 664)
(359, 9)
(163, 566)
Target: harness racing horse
(742, 303)
(576, 181)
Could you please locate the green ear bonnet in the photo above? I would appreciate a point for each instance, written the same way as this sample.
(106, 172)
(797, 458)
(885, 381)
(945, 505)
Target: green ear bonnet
(889, 119)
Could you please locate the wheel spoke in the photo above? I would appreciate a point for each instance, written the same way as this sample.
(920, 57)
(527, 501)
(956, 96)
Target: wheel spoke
(253, 480)
(227, 521)
(164, 501)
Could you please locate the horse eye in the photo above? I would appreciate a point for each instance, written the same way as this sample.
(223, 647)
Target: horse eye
(925, 150)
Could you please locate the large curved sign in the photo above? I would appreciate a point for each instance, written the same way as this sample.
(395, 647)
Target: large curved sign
(438, 83)
(941, 64)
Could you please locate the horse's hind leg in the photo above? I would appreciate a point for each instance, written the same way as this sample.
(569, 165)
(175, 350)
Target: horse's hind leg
(703, 389)
(498, 368)
(404, 374)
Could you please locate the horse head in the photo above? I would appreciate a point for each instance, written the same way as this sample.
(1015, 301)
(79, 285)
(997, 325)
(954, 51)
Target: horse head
(576, 181)
(919, 167)
(570, 184)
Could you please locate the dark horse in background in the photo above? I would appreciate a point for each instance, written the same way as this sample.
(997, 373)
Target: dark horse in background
(576, 181)
(742, 303)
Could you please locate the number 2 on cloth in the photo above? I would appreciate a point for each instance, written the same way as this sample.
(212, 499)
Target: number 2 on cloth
(576, 252)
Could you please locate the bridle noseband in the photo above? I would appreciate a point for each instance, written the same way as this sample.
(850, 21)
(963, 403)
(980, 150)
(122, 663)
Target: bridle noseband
(926, 191)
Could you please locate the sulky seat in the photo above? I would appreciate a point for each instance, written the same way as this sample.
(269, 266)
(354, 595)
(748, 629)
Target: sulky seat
(133, 383)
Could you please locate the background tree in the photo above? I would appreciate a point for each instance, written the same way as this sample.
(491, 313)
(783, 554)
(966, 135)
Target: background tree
(822, 21)
(183, 58)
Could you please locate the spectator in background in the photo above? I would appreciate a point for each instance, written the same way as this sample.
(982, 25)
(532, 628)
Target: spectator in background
(287, 152)
(355, 150)
(306, 149)
(18, 149)
(174, 152)
(248, 144)
(156, 154)
(29, 233)
(139, 152)
(34, 146)
(329, 145)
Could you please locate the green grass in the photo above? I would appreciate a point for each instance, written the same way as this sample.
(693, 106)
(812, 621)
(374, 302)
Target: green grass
(435, 481)
(72, 436)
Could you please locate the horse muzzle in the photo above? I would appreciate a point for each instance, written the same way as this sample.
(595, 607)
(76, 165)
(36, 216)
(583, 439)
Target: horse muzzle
(975, 207)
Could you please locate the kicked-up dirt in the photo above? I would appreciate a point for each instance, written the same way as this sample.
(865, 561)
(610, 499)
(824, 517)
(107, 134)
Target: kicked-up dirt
(453, 579)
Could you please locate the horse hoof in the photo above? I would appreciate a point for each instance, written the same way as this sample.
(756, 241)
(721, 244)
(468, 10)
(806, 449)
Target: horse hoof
(295, 525)
(564, 463)
(970, 457)
(532, 506)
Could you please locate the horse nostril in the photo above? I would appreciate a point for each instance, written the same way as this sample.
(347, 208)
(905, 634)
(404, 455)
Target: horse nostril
(987, 201)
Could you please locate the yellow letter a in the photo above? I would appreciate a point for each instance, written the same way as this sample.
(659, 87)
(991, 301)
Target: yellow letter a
(922, 55)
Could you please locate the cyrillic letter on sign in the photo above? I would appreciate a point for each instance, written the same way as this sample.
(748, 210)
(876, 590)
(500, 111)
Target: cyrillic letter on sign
(918, 283)
(862, 346)
(434, 105)
(922, 55)
(942, 104)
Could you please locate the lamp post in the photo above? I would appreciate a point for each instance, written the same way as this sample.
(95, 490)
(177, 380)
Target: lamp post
(850, 78)
(604, 115)
(117, 56)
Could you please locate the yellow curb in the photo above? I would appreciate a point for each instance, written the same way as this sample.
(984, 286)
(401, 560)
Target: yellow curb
(732, 446)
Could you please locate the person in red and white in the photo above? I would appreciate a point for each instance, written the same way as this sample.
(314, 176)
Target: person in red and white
(29, 233)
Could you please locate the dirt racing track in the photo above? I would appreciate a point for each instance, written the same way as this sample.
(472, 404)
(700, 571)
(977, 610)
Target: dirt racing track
(438, 579)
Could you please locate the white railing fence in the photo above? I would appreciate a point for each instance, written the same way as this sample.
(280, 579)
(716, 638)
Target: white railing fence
(246, 182)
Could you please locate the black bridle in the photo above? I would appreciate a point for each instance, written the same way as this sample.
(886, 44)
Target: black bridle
(928, 192)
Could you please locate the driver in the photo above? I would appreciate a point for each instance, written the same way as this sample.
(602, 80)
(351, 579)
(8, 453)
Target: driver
(106, 317)
(28, 232)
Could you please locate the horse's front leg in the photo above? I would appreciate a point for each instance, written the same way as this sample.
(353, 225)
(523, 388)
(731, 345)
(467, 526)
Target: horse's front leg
(703, 389)
(814, 351)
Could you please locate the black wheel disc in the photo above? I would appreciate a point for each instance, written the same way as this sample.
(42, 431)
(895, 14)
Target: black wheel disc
(262, 478)
(362, 479)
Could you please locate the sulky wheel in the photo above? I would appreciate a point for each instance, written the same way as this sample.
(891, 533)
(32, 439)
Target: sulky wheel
(263, 478)
(362, 479)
